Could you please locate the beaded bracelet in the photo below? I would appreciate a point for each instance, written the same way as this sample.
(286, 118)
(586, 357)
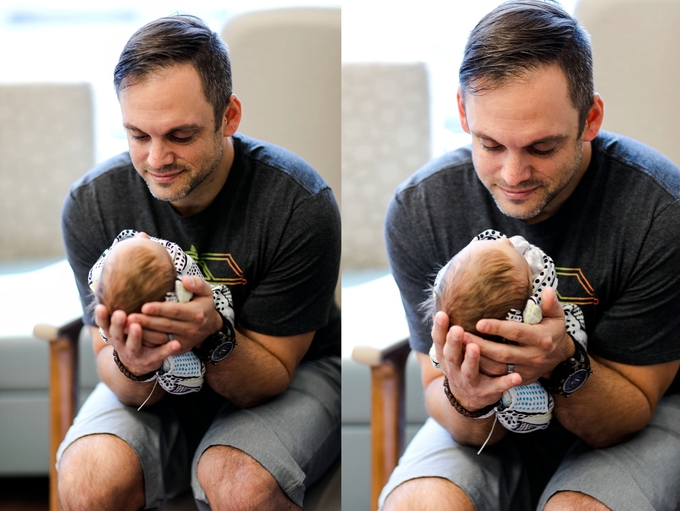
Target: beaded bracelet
(485, 412)
(143, 378)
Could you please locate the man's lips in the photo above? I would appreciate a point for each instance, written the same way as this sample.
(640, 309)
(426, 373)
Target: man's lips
(517, 194)
(165, 177)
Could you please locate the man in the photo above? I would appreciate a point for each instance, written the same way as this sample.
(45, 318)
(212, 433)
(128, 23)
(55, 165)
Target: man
(606, 209)
(257, 218)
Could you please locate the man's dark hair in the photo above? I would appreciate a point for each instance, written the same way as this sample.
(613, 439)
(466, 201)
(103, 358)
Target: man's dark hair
(522, 35)
(178, 39)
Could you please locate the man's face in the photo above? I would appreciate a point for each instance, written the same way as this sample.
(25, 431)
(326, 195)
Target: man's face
(171, 132)
(526, 143)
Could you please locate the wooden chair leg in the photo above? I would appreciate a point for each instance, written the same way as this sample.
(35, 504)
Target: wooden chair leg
(63, 389)
(387, 419)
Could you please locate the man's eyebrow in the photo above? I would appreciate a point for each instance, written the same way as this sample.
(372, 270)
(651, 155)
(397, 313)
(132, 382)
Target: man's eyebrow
(183, 127)
(544, 140)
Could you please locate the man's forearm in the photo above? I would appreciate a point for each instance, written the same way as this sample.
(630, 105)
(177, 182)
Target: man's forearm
(465, 431)
(606, 410)
(249, 375)
(129, 392)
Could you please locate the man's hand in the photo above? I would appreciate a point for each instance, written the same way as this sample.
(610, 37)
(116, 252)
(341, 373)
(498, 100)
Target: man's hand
(540, 348)
(189, 323)
(126, 339)
(459, 360)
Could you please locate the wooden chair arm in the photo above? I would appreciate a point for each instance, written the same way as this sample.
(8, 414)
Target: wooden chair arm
(374, 326)
(64, 387)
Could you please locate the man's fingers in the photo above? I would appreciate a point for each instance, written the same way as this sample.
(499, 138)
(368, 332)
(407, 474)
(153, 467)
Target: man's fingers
(470, 364)
(197, 286)
(550, 305)
(101, 317)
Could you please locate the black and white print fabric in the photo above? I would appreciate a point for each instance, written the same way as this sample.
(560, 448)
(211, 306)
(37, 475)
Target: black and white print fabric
(179, 374)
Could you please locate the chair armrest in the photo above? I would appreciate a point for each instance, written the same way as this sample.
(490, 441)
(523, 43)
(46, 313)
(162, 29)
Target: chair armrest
(375, 332)
(61, 326)
(64, 387)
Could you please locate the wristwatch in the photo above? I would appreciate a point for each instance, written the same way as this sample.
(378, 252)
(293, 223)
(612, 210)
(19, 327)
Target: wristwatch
(570, 375)
(219, 345)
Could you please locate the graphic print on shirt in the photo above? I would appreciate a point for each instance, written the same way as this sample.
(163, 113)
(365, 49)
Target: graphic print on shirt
(218, 268)
(574, 287)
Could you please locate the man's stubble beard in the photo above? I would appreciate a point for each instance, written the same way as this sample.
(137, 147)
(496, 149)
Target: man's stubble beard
(567, 176)
(206, 167)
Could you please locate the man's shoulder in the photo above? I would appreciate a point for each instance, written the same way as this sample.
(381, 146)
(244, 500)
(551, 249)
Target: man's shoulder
(264, 157)
(640, 159)
(444, 171)
(105, 173)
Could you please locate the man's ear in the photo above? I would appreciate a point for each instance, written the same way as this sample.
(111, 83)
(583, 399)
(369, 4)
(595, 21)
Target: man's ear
(594, 119)
(461, 110)
(232, 116)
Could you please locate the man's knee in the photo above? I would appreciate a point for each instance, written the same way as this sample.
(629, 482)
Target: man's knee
(233, 480)
(428, 494)
(100, 472)
(574, 501)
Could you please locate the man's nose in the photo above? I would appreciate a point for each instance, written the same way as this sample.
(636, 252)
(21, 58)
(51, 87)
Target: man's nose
(159, 155)
(515, 170)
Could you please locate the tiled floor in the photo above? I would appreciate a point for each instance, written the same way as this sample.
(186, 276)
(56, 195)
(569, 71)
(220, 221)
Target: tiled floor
(24, 493)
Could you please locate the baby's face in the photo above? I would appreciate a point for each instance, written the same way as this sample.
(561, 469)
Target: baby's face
(505, 246)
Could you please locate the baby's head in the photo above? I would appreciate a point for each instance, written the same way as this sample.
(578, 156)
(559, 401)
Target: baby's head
(484, 280)
(135, 271)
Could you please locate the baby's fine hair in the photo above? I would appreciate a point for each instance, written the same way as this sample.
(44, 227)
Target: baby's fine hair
(484, 285)
(142, 277)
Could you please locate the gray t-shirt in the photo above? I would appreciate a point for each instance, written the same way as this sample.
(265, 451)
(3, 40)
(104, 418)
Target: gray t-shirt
(272, 235)
(615, 243)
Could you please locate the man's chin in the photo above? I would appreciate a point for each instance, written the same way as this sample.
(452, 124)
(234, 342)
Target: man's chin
(165, 192)
(518, 209)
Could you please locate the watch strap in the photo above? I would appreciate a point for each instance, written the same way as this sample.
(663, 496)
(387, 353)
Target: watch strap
(577, 362)
(224, 336)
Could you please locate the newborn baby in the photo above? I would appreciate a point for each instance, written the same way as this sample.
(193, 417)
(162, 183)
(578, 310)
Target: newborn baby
(500, 278)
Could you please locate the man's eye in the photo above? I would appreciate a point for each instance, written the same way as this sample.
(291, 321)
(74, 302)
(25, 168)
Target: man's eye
(542, 152)
(181, 140)
(138, 137)
(492, 148)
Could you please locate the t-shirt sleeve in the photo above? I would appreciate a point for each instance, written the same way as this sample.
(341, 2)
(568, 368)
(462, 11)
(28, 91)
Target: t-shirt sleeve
(410, 256)
(643, 325)
(296, 292)
(80, 243)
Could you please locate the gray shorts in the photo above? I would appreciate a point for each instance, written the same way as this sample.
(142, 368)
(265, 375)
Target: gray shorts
(295, 436)
(523, 471)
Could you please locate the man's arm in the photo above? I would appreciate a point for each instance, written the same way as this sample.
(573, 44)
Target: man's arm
(129, 392)
(459, 361)
(617, 399)
(260, 366)
(615, 402)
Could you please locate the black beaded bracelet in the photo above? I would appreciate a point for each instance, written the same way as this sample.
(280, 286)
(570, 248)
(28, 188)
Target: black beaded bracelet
(485, 412)
(143, 378)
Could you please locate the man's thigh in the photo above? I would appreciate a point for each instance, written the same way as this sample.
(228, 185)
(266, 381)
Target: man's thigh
(295, 436)
(640, 474)
(506, 476)
(154, 433)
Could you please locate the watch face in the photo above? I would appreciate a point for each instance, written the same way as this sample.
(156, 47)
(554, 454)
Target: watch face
(574, 381)
(222, 351)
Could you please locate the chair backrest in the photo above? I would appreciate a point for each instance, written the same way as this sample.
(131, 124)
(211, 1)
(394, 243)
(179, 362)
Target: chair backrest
(286, 72)
(385, 138)
(636, 46)
(46, 143)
